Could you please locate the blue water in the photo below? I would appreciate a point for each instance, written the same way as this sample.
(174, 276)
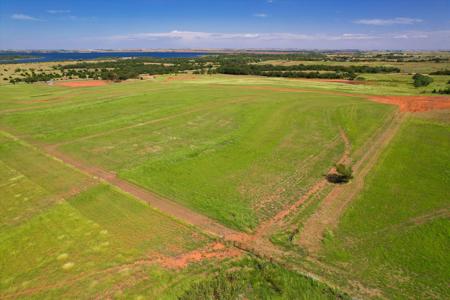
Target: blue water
(62, 56)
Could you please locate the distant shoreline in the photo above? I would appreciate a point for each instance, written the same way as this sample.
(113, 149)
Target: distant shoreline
(212, 51)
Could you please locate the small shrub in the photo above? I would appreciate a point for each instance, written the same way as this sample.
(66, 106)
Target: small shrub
(421, 80)
(343, 174)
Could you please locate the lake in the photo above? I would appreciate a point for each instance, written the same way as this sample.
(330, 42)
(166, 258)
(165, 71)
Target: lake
(62, 56)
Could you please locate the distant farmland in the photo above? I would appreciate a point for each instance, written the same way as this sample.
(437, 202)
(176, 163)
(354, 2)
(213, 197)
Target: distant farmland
(185, 186)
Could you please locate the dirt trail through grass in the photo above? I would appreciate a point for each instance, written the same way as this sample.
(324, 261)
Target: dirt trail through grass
(334, 204)
(264, 229)
(215, 251)
(167, 206)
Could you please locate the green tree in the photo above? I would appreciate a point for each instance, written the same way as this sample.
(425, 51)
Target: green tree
(421, 80)
(345, 172)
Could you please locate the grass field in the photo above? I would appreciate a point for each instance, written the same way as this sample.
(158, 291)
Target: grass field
(395, 234)
(99, 242)
(405, 67)
(237, 149)
(52, 240)
(223, 150)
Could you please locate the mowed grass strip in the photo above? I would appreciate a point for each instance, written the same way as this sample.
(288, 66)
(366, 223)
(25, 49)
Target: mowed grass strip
(396, 232)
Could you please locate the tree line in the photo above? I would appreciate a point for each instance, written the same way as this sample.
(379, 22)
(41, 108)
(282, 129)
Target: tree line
(236, 64)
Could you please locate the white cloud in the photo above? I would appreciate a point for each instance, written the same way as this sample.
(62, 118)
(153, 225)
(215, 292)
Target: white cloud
(23, 17)
(282, 36)
(260, 15)
(281, 40)
(385, 22)
(58, 11)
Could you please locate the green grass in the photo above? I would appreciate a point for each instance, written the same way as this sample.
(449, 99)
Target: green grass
(229, 151)
(253, 279)
(58, 246)
(31, 182)
(376, 84)
(389, 236)
(235, 154)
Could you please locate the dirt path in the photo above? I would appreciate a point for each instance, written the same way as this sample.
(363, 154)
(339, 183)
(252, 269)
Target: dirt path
(325, 217)
(216, 251)
(333, 206)
(167, 206)
(264, 229)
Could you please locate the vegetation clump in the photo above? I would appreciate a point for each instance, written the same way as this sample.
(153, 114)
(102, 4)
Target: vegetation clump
(343, 174)
(441, 72)
(421, 80)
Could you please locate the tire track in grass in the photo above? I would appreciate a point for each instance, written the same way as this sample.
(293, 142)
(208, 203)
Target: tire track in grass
(245, 99)
(335, 203)
(264, 229)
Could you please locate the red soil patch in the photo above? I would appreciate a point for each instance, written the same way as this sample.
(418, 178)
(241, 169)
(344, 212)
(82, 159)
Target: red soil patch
(415, 103)
(405, 103)
(84, 83)
(213, 251)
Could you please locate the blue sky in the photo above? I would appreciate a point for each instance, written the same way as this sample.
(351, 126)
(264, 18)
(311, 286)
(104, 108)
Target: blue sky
(320, 24)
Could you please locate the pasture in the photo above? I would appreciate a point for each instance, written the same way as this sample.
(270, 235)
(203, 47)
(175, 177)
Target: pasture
(235, 153)
(397, 229)
(64, 234)
(240, 150)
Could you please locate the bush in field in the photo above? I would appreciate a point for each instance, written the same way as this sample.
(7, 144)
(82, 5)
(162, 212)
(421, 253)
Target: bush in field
(346, 172)
(343, 174)
(421, 80)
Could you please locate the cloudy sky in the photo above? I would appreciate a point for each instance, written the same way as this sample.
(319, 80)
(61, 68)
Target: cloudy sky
(319, 24)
